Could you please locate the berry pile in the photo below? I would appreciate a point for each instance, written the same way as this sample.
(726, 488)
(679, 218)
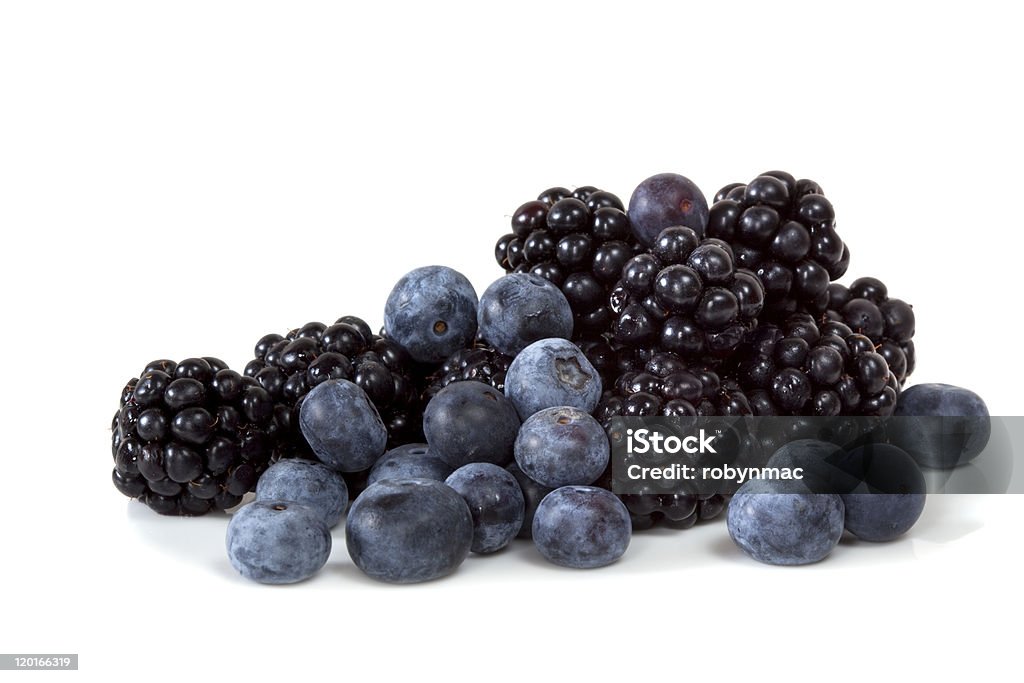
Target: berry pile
(669, 308)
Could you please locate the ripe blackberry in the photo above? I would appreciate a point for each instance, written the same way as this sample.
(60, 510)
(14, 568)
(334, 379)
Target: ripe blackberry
(289, 366)
(801, 368)
(666, 385)
(578, 240)
(480, 363)
(783, 229)
(191, 437)
(686, 296)
(867, 309)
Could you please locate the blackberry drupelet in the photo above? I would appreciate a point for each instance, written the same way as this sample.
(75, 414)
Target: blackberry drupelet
(481, 363)
(289, 366)
(666, 385)
(191, 437)
(801, 368)
(686, 296)
(866, 308)
(783, 229)
(578, 240)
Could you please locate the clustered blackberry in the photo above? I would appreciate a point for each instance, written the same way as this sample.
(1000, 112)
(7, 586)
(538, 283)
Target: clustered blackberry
(289, 366)
(667, 385)
(783, 229)
(799, 368)
(481, 363)
(686, 296)
(192, 436)
(866, 308)
(578, 240)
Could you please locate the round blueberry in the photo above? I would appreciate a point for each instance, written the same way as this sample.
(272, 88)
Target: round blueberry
(308, 482)
(882, 517)
(549, 373)
(940, 425)
(407, 531)
(561, 446)
(582, 527)
(521, 308)
(471, 422)
(495, 502)
(432, 312)
(778, 522)
(342, 426)
(890, 496)
(411, 461)
(277, 541)
(663, 201)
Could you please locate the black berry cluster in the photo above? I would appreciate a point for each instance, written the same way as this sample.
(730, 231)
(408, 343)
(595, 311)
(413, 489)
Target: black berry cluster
(783, 229)
(866, 308)
(687, 296)
(191, 437)
(801, 368)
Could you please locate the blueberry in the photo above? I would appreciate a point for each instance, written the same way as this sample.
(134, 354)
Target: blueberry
(411, 461)
(410, 530)
(882, 516)
(533, 494)
(495, 502)
(891, 494)
(821, 464)
(432, 313)
(549, 373)
(666, 200)
(310, 483)
(471, 422)
(342, 426)
(778, 522)
(561, 446)
(940, 425)
(277, 541)
(582, 527)
(521, 308)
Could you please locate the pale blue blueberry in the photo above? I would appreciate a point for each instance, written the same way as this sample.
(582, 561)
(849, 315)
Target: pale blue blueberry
(308, 482)
(549, 373)
(277, 541)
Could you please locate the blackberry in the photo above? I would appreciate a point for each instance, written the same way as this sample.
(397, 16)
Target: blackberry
(289, 366)
(666, 385)
(783, 229)
(481, 363)
(801, 368)
(866, 308)
(686, 296)
(191, 437)
(578, 240)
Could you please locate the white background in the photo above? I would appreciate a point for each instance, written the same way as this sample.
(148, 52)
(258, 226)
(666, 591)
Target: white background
(178, 179)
